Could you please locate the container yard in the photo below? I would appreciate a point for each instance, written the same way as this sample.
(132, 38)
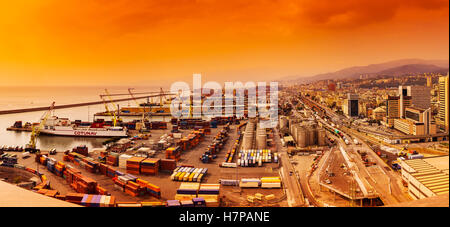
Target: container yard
(191, 165)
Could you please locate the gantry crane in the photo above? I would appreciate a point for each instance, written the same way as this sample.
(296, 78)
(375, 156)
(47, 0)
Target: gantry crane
(31, 146)
(113, 114)
(137, 104)
(160, 97)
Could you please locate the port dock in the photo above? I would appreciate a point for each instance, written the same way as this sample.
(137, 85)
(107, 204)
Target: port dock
(24, 110)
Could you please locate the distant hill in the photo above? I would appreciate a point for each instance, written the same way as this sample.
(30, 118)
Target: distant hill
(412, 68)
(394, 68)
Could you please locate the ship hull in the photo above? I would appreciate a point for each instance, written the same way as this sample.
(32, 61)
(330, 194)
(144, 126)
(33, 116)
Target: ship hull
(85, 133)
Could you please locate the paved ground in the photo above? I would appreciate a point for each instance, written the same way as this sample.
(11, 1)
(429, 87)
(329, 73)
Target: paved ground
(168, 187)
(290, 179)
(392, 191)
(303, 167)
(322, 195)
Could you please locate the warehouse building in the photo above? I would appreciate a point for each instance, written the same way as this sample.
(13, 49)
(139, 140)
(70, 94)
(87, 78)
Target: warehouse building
(426, 177)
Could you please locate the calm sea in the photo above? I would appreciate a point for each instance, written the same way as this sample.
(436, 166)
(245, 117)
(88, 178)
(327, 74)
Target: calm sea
(26, 97)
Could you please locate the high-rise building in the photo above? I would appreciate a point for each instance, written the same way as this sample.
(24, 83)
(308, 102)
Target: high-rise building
(352, 105)
(420, 96)
(392, 110)
(429, 81)
(404, 101)
(442, 117)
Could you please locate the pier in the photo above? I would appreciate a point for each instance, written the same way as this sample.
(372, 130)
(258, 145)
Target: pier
(24, 110)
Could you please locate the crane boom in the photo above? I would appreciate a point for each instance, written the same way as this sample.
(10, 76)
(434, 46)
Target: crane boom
(137, 104)
(111, 100)
(112, 114)
(31, 146)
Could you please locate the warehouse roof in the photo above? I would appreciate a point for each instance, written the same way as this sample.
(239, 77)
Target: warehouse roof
(434, 201)
(14, 196)
(432, 172)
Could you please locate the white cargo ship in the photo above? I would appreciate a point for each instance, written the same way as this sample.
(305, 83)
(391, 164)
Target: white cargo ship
(63, 127)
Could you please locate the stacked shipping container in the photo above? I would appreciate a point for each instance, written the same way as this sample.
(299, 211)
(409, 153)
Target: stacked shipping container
(150, 166)
(188, 174)
(134, 164)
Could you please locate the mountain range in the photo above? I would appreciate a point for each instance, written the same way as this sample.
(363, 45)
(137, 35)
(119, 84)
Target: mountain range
(392, 68)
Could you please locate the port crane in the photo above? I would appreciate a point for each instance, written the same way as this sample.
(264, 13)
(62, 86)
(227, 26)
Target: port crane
(143, 111)
(111, 113)
(31, 146)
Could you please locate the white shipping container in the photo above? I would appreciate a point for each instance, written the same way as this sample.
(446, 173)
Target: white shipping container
(249, 184)
(271, 185)
(229, 164)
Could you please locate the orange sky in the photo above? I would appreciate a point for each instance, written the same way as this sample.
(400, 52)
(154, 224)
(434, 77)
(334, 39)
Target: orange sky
(139, 42)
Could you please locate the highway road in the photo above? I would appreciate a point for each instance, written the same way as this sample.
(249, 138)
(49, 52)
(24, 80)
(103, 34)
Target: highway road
(293, 191)
(387, 183)
(394, 179)
(302, 182)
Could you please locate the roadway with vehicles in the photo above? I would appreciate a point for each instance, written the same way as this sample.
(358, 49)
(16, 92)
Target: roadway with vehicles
(396, 188)
(392, 194)
(294, 192)
(302, 178)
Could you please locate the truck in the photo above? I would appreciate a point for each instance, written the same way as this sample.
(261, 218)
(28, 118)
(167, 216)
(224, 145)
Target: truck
(26, 154)
(346, 141)
(228, 164)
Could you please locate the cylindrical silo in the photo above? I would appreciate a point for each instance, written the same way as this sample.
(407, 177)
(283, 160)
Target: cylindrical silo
(294, 132)
(301, 137)
(261, 138)
(310, 136)
(321, 137)
(247, 141)
(315, 135)
(283, 122)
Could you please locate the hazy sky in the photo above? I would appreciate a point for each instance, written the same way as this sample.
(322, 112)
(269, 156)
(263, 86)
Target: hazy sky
(139, 42)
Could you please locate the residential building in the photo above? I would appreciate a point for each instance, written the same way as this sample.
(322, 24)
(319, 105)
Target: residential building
(443, 117)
